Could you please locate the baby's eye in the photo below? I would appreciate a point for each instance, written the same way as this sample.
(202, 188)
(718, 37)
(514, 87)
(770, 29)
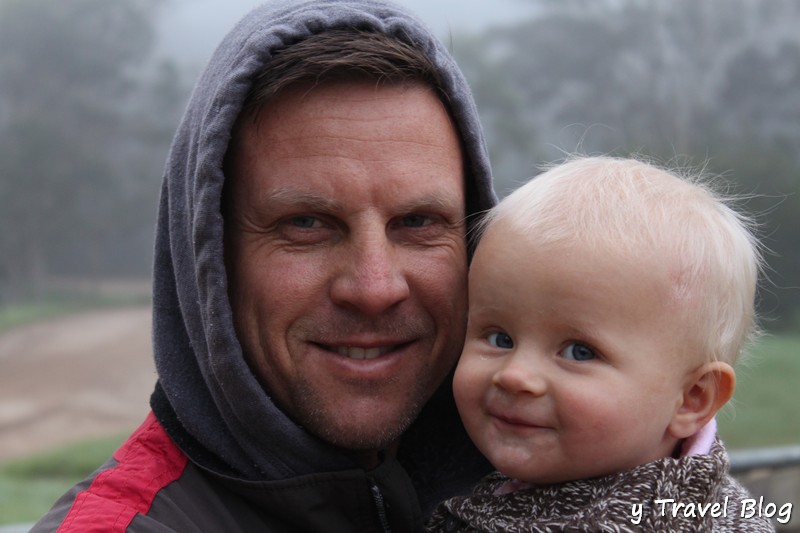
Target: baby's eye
(578, 352)
(500, 340)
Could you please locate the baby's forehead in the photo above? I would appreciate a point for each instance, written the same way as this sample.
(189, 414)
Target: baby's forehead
(648, 214)
(658, 258)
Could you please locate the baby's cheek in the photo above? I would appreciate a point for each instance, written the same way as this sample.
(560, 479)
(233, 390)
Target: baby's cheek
(469, 385)
(462, 382)
(594, 412)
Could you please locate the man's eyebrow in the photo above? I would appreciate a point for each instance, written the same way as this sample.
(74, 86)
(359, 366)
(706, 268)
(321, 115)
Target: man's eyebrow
(287, 196)
(432, 202)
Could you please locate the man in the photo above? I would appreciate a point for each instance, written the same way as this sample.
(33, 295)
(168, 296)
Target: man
(310, 287)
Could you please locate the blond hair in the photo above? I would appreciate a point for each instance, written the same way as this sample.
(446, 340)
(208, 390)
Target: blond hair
(635, 209)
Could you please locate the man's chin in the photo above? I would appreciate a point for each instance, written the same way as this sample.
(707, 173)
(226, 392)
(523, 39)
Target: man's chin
(365, 435)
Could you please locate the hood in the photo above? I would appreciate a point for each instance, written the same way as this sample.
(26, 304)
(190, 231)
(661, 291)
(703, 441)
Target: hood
(207, 397)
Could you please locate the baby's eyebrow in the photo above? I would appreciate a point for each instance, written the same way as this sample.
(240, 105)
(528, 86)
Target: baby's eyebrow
(585, 332)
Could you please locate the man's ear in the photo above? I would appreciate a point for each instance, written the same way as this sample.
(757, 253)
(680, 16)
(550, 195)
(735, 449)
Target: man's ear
(706, 391)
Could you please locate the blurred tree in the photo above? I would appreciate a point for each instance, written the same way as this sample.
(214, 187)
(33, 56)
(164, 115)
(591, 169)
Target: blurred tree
(712, 81)
(72, 134)
(767, 175)
(513, 138)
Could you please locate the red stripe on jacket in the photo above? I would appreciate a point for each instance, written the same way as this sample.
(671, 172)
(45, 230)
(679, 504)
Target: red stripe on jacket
(146, 463)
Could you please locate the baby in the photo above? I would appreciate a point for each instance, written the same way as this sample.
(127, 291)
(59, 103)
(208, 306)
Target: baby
(609, 301)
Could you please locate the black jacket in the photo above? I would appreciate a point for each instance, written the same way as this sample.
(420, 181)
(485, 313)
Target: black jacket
(150, 485)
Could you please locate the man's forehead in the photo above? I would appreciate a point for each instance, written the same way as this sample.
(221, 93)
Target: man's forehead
(314, 98)
(423, 199)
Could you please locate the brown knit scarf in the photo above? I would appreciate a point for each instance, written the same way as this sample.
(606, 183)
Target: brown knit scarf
(608, 503)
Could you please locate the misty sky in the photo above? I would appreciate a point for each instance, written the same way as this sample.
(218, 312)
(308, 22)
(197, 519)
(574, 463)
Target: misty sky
(192, 28)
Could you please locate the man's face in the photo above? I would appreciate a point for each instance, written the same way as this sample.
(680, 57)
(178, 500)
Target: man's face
(346, 254)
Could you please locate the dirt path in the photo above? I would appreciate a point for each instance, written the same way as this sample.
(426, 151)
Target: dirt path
(69, 379)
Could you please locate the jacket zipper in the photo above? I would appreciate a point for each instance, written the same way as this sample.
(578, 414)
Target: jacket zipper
(380, 504)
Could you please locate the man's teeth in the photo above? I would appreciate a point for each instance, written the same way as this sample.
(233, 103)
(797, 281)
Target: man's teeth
(362, 353)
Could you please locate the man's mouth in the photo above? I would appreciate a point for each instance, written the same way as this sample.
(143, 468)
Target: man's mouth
(355, 352)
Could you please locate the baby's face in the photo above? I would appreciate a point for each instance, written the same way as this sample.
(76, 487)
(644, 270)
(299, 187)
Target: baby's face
(573, 366)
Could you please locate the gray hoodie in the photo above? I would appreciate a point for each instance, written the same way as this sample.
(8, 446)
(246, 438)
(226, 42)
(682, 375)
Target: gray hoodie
(207, 399)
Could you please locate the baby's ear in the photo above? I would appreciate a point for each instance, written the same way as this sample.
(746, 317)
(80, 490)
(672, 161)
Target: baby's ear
(707, 390)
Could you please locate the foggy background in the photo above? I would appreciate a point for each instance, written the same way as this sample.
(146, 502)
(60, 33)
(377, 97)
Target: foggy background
(91, 92)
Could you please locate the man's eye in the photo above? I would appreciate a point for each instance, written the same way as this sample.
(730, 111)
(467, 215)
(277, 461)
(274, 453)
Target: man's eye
(416, 221)
(305, 221)
(578, 352)
(500, 340)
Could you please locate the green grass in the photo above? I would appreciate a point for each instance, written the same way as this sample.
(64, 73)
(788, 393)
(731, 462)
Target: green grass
(25, 501)
(21, 314)
(59, 305)
(765, 410)
(30, 486)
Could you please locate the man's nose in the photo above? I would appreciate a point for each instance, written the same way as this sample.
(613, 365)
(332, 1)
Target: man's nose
(372, 276)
